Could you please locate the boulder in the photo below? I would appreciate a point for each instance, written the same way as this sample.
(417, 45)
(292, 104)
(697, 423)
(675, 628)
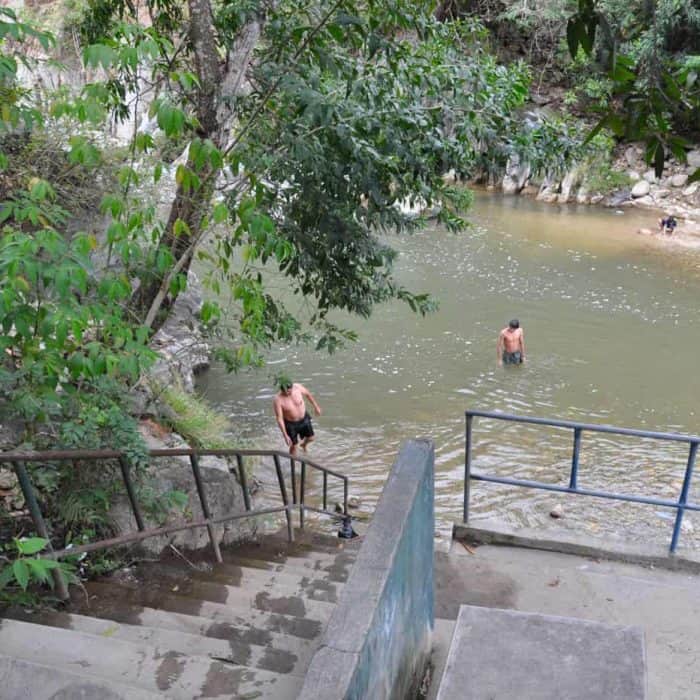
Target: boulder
(568, 184)
(632, 155)
(661, 193)
(641, 189)
(165, 474)
(679, 180)
(583, 197)
(516, 176)
(691, 189)
(649, 176)
(180, 344)
(548, 195)
(693, 159)
(633, 175)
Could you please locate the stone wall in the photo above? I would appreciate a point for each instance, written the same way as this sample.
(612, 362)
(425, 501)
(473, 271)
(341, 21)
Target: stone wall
(377, 642)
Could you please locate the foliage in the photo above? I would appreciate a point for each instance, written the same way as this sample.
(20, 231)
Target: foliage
(192, 418)
(353, 110)
(650, 53)
(299, 155)
(27, 569)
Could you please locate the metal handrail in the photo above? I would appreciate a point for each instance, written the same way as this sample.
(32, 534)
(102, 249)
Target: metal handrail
(18, 462)
(681, 505)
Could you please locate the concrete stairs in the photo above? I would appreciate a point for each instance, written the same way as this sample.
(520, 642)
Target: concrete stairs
(246, 628)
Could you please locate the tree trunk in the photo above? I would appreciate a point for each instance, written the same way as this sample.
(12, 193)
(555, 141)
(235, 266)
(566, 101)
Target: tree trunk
(218, 84)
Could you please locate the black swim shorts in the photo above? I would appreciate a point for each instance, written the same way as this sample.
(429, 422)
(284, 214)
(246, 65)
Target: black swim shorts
(512, 358)
(299, 428)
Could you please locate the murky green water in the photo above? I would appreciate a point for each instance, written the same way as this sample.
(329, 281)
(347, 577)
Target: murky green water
(612, 329)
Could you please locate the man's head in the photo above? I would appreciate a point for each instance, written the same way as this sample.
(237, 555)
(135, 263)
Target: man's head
(514, 324)
(283, 383)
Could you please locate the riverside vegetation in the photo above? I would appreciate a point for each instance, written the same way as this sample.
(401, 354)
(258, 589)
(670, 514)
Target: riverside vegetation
(263, 138)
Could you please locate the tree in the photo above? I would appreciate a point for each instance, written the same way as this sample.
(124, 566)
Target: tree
(650, 52)
(308, 125)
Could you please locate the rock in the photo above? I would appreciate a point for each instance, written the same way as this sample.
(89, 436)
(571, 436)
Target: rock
(645, 201)
(693, 159)
(641, 189)
(631, 155)
(597, 198)
(691, 189)
(583, 197)
(516, 176)
(540, 99)
(569, 183)
(661, 194)
(557, 511)
(224, 496)
(8, 480)
(353, 502)
(180, 343)
(616, 199)
(450, 177)
(649, 176)
(633, 175)
(679, 180)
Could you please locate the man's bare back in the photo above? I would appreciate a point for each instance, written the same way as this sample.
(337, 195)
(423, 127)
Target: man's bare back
(510, 347)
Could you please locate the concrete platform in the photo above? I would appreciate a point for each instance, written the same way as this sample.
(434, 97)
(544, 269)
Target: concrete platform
(504, 654)
(665, 604)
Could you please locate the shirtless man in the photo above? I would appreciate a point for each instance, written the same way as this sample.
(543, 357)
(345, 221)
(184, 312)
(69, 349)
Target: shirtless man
(292, 417)
(510, 348)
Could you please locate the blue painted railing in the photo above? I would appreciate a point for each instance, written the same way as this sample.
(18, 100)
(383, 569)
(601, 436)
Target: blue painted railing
(681, 505)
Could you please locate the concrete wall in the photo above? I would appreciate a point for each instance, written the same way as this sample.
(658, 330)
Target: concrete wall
(377, 641)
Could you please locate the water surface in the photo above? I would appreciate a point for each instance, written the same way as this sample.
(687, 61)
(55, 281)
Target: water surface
(611, 325)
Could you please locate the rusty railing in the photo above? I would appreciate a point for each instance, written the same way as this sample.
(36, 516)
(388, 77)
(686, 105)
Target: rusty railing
(19, 460)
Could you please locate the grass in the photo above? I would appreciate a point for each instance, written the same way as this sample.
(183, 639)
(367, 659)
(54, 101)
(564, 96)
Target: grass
(197, 422)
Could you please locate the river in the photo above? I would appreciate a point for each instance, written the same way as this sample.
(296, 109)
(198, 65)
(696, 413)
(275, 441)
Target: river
(612, 331)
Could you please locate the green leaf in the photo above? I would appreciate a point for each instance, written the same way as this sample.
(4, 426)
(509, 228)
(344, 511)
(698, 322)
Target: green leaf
(21, 572)
(695, 176)
(31, 545)
(38, 569)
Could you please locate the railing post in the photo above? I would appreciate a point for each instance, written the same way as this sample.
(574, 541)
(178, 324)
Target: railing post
(302, 494)
(573, 479)
(205, 506)
(345, 495)
(131, 493)
(684, 495)
(293, 472)
(244, 481)
(467, 466)
(30, 499)
(285, 499)
(325, 490)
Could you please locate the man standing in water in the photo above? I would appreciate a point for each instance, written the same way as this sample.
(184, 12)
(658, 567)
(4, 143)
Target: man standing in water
(292, 417)
(510, 348)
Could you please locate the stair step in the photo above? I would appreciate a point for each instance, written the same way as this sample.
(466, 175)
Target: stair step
(286, 600)
(243, 633)
(154, 669)
(229, 650)
(308, 627)
(273, 547)
(24, 680)
(319, 569)
(298, 584)
(338, 562)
